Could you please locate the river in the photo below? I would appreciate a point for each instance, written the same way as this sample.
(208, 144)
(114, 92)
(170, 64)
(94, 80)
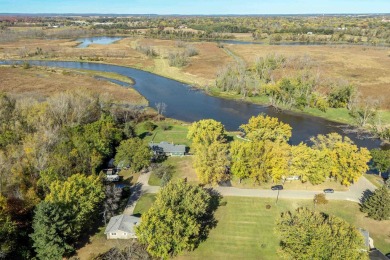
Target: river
(188, 104)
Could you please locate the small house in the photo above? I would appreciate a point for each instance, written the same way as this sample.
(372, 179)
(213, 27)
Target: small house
(169, 149)
(122, 227)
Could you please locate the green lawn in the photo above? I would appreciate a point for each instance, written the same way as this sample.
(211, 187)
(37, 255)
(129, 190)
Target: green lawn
(144, 203)
(374, 179)
(245, 228)
(176, 133)
(182, 169)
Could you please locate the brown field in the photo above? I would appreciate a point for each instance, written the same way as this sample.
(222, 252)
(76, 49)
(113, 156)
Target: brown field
(366, 67)
(39, 82)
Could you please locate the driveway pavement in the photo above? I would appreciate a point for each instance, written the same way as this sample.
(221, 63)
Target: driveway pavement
(360, 189)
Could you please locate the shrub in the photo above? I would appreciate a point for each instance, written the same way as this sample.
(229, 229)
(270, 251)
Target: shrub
(191, 51)
(320, 199)
(147, 50)
(177, 59)
(149, 126)
(26, 65)
(267, 206)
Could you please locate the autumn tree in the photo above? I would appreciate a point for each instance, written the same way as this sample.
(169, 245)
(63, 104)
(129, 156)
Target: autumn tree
(309, 164)
(260, 161)
(80, 194)
(178, 220)
(211, 162)
(307, 234)
(134, 152)
(205, 132)
(263, 128)
(377, 206)
(347, 162)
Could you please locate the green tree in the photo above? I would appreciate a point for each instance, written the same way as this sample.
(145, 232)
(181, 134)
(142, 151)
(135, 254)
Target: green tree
(134, 152)
(377, 206)
(178, 220)
(380, 160)
(211, 162)
(52, 237)
(307, 234)
(80, 194)
(7, 230)
(263, 128)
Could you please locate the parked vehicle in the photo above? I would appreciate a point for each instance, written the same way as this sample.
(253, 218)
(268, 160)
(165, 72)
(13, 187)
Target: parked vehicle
(329, 191)
(112, 177)
(277, 187)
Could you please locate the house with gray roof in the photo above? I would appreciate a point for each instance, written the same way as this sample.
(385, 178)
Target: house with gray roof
(122, 227)
(168, 149)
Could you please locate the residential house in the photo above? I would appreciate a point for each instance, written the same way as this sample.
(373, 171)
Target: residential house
(169, 149)
(122, 227)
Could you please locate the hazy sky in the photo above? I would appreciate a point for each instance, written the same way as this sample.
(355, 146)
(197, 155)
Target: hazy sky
(195, 6)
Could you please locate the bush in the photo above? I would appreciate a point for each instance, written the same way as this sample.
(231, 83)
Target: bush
(177, 59)
(320, 199)
(149, 126)
(147, 50)
(191, 51)
(165, 126)
(267, 206)
(26, 65)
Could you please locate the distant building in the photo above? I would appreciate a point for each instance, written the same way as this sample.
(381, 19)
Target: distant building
(168, 149)
(122, 227)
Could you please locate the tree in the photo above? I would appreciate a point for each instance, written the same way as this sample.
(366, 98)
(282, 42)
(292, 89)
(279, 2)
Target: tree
(380, 160)
(309, 164)
(80, 194)
(111, 202)
(205, 132)
(134, 152)
(178, 220)
(377, 206)
(7, 230)
(307, 234)
(347, 162)
(211, 162)
(52, 237)
(240, 154)
(263, 128)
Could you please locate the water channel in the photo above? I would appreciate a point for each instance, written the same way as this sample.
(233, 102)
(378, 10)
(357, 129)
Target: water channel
(188, 104)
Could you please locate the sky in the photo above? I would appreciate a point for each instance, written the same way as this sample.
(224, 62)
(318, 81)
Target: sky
(196, 6)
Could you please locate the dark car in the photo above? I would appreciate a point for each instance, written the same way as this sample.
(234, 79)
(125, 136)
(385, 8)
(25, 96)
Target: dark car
(329, 191)
(277, 187)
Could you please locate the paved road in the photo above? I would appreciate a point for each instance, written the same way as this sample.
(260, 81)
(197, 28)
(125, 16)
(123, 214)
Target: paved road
(355, 192)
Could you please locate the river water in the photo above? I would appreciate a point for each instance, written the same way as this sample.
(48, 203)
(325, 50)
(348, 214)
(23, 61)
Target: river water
(85, 42)
(188, 104)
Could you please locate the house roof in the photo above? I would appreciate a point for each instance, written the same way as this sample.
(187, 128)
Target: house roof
(123, 223)
(168, 147)
(375, 254)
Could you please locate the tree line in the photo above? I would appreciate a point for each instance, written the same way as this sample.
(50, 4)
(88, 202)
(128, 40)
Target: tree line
(264, 155)
(51, 156)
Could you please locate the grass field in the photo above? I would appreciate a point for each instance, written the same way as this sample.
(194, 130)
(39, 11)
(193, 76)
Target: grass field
(245, 228)
(41, 82)
(144, 203)
(182, 169)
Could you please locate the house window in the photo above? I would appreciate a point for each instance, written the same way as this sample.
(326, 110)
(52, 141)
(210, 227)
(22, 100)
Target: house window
(113, 234)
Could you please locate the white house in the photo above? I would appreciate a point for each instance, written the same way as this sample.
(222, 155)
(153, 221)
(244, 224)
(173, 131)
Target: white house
(122, 227)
